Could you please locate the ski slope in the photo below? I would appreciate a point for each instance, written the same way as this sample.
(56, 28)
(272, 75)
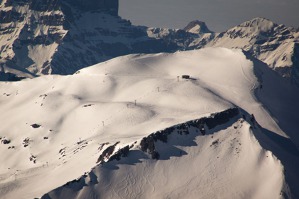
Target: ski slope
(59, 125)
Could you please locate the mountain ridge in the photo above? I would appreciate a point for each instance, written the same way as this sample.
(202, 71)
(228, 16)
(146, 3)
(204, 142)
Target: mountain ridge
(57, 127)
(276, 45)
(152, 146)
(57, 37)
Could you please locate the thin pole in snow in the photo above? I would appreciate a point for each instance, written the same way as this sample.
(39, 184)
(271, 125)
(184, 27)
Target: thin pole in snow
(178, 78)
(103, 123)
(135, 102)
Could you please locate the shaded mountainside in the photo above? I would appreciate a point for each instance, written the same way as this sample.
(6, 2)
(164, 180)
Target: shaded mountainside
(62, 36)
(169, 147)
(197, 27)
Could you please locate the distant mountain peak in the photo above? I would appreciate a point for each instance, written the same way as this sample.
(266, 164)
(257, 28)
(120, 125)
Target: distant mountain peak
(258, 22)
(197, 27)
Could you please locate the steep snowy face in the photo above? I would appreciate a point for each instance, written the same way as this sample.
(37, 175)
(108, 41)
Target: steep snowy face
(269, 42)
(276, 45)
(257, 28)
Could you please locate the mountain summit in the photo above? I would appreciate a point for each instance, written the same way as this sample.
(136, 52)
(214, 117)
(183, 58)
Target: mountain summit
(197, 27)
(274, 44)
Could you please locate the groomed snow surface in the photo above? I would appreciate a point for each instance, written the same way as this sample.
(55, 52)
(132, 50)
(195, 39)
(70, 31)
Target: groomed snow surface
(56, 125)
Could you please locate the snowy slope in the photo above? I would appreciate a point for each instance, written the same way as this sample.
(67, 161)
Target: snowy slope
(58, 126)
(190, 165)
(267, 41)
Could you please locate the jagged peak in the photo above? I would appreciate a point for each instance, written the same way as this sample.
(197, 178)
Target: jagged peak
(253, 28)
(258, 22)
(197, 27)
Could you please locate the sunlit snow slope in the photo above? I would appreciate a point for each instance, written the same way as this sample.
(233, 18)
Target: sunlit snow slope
(54, 128)
(193, 163)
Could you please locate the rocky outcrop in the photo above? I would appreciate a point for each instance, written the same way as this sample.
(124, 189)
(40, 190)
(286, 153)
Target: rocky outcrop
(107, 153)
(147, 146)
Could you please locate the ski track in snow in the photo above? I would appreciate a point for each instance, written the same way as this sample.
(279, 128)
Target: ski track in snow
(97, 105)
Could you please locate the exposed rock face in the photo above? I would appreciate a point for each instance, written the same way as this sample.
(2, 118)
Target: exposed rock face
(147, 146)
(62, 36)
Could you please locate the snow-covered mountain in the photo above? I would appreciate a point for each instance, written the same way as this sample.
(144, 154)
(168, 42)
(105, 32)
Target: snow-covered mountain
(276, 45)
(215, 122)
(63, 36)
(193, 162)
(134, 128)
(197, 27)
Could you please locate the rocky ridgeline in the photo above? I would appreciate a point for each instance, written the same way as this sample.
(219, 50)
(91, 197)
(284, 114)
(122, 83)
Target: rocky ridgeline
(62, 36)
(147, 144)
(274, 44)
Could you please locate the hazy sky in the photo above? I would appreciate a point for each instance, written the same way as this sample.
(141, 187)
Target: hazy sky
(218, 14)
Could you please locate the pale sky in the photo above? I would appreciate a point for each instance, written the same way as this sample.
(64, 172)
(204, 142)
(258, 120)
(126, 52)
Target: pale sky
(219, 15)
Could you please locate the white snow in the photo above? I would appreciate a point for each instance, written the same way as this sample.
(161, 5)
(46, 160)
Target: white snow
(228, 163)
(97, 105)
(252, 35)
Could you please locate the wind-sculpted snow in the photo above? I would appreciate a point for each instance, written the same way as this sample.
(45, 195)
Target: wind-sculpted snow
(182, 150)
(56, 128)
